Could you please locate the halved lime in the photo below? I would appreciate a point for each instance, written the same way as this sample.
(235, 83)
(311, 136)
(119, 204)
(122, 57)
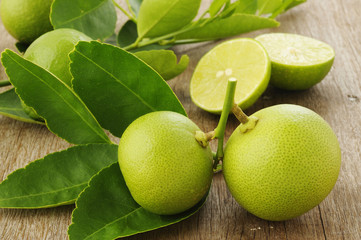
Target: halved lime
(244, 59)
(298, 62)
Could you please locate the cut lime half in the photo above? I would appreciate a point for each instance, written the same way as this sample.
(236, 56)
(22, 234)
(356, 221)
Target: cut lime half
(244, 59)
(298, 62)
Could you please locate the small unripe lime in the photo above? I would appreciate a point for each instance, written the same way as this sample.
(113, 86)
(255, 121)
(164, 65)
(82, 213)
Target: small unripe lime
(283, 166)
(26, 20)
(51, 51)
(166, 170)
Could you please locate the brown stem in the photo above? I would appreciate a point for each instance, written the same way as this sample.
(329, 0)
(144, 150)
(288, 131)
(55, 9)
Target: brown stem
(240, 115)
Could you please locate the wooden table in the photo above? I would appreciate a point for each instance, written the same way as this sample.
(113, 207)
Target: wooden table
(337, 99)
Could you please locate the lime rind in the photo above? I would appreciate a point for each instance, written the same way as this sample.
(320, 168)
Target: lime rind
(244, 59)
(298, 62)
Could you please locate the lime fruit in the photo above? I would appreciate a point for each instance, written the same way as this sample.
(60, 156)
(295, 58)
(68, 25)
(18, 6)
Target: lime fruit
(284, 165)
(166, 170)
(51, 51)
(298, 62)
(244, 59)
(26, 20)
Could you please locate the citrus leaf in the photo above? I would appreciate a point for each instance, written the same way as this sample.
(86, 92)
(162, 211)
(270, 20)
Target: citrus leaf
(216, 6)
(128, 34)
(95, 18)
(56, 179)
(295, 3)
(64, 112)
(120, 87)
(268, 6)
(106, 210)
(159, 17)
(247, 6)
(225, 27)
(164, 62)
(10, 106)
(135, 4)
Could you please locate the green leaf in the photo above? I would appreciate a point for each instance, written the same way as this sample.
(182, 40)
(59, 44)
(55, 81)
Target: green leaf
(226, 27)
(64, 112)
(95, 18)
(268, 6)
(159, 17)
(128, 34)
(164, 62)
(56, 179)
(106, 210)
(295, 3)
(119, 87)
(229, 9)
(247, 6)
(10, 106)
(135, 4)
(216, 6)
(287, 4)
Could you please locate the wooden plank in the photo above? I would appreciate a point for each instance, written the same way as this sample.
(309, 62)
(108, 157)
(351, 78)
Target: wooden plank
(337, 99)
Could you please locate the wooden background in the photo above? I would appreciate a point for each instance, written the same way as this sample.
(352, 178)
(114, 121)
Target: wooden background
(336, 99)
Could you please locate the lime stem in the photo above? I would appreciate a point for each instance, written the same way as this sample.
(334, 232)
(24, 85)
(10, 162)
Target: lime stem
(4, 83)
(220, 129)
(124, 11)
(240, 115)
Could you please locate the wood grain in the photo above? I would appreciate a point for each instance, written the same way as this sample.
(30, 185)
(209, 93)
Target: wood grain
(336, 99)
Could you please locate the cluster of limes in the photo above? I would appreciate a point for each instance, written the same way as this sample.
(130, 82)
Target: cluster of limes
(284, 163)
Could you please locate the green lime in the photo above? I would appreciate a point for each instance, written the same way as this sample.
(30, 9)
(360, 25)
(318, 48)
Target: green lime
(51, 51)
(298, 62)
(166, 170)
(26, 20)
(244, 59)
(284, 165)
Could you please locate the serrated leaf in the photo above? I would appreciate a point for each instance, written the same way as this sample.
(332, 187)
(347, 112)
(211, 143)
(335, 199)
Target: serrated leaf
(159, 17)
(216, 6)
(128, 34)
(95, 18)
(247, 6)
(119, 87)
(10, 106)
(106, 210)
(268, 6)
(64, 112)
(226, 27)
(164, 62)
(56, 179)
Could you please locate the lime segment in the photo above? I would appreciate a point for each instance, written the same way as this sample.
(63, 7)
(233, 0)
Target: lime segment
(244, 59)
(298, 62)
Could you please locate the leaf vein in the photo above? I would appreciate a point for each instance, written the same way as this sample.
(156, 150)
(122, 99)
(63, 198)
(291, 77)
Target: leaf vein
(61, 97)
(119, 81)
(116, 220)
(82, 15)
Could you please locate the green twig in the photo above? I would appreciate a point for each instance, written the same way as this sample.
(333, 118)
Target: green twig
(131, 9)
(124, 11)
(220, 129)
(4, 83)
